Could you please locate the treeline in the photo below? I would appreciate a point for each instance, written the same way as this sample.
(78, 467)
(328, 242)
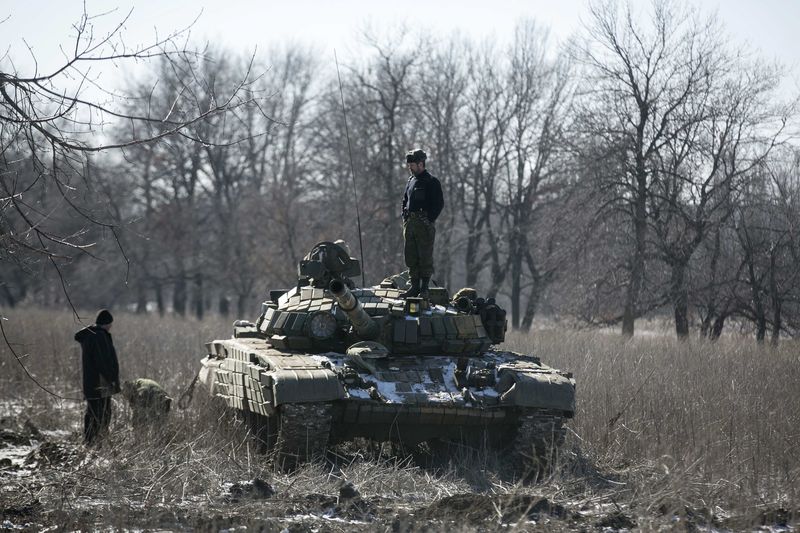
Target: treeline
(643, 168)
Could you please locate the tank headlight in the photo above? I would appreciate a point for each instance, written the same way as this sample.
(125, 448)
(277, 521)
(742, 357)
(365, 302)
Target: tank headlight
(322, 325)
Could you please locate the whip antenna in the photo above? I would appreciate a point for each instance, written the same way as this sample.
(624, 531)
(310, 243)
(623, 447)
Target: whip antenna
(352, 168)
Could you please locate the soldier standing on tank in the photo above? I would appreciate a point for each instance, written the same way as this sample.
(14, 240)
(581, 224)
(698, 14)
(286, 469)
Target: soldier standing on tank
(100, 375)
(422, 203)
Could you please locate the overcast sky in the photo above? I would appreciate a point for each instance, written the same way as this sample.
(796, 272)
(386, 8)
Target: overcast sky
(771, 26)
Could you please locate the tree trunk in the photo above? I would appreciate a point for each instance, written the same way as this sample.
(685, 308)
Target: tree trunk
(637, 263)
(761, 328)
(141, 299)
(199, 297)
(241, 303)
(471, 261)
(680, 299)
(179, 296)
(776, 300)
(532, 305)
(160, 300)
(8, 296)
(537, 289)
(224, 306)
(516, 282)
(498, 269)
(777, 323)
(711, 305)
(716, 329)
(758, 305)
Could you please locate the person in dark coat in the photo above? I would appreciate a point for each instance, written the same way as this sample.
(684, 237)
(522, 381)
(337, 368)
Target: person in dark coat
(422, 202)
(100, 375)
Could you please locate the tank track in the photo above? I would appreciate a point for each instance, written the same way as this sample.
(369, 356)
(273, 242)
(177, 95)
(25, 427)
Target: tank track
(539, 436)
(304, 432)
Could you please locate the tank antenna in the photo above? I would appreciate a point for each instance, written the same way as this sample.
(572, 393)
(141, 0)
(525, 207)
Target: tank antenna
(352, 169)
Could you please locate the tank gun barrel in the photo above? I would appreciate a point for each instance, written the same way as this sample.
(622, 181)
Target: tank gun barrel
(366, 327)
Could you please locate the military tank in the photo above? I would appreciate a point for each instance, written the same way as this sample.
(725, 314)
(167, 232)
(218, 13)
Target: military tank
(326, 362)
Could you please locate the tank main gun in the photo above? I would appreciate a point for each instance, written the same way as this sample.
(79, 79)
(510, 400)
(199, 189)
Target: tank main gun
(366, 326)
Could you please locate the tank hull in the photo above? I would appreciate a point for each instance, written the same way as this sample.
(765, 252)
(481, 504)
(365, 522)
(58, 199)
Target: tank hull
(404, 399)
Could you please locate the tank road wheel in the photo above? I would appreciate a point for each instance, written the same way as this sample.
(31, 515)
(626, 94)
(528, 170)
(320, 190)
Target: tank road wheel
(303, 433)
(539, 437)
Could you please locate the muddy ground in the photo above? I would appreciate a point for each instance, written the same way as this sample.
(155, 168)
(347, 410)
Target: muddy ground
(174, 481)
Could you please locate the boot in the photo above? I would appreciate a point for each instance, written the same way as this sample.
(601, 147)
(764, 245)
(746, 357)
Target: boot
(413, 291)
(423, 287)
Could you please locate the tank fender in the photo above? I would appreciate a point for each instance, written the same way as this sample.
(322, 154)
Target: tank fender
(544, 390)
(304, 385)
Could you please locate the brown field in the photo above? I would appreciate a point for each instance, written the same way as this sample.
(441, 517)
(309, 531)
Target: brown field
(667, 435)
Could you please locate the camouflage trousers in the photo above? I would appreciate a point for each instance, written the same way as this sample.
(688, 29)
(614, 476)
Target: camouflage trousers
(419, 234)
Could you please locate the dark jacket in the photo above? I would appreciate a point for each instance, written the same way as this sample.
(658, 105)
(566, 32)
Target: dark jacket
(100, 365)
(423, 193)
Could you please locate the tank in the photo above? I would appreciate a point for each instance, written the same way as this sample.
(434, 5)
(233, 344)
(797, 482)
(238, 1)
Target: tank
(327, 362)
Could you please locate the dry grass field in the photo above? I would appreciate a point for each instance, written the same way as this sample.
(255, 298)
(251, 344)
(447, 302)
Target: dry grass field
(667, 435)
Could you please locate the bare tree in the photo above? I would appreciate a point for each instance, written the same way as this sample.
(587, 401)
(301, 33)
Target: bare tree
(638, 78)
(55, 119)
(484, 155)
(717, 268)
(766, 228)
(733, 127)
(538, 89)
(784, 279)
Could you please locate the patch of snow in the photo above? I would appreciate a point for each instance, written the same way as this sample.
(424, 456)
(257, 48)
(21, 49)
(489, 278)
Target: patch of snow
(438, 393)
(8, 524)
(361, 394)
(388, 391)
(11, 407)
(449, 373)
(328, 515)
(55, 433)
(16, 454)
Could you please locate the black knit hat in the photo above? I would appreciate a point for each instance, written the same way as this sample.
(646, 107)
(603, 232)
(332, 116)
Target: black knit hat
(104, 317)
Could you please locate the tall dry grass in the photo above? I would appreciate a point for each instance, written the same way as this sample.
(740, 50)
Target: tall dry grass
(166, 349)
(693, 420)
(661, 425)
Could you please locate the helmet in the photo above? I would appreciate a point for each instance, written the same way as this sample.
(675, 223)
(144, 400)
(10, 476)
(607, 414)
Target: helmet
(416, 156)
